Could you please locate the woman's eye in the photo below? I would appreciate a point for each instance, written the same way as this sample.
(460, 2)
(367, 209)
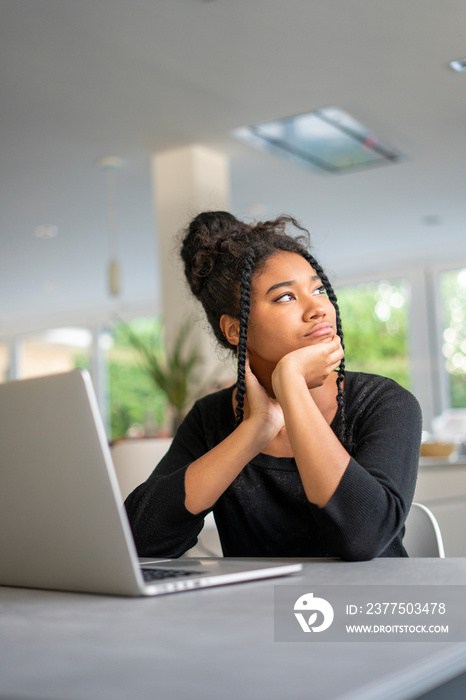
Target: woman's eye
(320, 290)
(285, 297)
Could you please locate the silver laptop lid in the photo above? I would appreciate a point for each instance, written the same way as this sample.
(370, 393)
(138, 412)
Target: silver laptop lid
(62, 521)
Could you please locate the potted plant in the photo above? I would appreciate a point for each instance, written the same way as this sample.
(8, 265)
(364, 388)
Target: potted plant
(175, 372)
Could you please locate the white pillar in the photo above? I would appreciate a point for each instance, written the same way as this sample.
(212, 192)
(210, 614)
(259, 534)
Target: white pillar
(186, 181)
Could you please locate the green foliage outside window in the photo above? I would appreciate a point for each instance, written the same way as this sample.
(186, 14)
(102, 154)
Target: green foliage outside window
(374, 319)
(134, 399)
(151, 388)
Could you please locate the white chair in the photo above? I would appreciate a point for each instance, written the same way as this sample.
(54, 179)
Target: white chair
(135, 460)
(423, 537)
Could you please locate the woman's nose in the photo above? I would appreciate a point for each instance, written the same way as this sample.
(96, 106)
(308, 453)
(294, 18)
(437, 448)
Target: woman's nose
(314, 308)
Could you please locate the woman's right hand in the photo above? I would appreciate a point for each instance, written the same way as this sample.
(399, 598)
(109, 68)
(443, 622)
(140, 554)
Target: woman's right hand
(260, 406)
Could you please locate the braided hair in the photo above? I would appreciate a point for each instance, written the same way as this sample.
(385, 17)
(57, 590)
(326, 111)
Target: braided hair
(244, 308)
(220, 255)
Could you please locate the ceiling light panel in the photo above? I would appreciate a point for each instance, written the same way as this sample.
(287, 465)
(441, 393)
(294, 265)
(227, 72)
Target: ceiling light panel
(459, 65)
(327, 140)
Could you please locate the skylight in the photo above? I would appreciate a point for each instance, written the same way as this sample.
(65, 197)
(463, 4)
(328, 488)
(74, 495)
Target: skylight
(328, 140)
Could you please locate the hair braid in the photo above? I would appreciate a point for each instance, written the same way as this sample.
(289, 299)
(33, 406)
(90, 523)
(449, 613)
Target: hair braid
(341, 370)
(245, 297)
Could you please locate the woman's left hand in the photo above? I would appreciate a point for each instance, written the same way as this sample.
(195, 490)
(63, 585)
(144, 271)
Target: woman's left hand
(314, 362)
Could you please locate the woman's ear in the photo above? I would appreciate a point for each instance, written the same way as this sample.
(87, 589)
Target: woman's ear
(230, 328)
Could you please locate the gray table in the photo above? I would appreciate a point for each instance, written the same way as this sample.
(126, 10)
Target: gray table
(215, 643)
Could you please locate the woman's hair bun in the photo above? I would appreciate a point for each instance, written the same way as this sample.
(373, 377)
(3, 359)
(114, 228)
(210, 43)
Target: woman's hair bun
(208, 235)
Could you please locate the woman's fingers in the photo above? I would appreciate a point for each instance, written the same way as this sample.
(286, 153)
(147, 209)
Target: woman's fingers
(337, 355)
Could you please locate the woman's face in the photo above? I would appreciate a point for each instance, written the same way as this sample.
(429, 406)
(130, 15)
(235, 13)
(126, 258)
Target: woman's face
(289, 310)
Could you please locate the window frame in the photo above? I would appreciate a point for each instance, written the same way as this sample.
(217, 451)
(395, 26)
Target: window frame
(429, 380)
(443, 389)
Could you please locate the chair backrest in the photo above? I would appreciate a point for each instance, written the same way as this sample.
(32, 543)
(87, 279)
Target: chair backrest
(423, 537)
(135, 460)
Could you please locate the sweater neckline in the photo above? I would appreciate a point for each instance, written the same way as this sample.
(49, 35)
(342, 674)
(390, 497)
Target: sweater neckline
(280, 463)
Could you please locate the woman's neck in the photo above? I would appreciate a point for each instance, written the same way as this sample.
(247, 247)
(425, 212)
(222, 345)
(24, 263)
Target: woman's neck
(325, 396)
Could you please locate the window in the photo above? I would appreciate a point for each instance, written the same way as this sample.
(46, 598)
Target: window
(375, 320)
(138, 407)
(453, 305)
(52, 351)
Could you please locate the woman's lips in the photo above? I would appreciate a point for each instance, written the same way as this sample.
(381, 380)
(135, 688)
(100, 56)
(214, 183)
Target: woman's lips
(320, 330)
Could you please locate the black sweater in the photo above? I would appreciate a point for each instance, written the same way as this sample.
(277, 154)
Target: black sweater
(265, 512)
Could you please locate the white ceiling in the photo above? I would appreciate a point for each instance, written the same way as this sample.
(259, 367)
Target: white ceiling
(84, 79)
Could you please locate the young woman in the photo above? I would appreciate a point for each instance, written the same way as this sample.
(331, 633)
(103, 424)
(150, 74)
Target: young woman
(299, 458)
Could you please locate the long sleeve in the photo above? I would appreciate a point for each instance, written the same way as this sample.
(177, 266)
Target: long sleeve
(160, 523)
(367, 512)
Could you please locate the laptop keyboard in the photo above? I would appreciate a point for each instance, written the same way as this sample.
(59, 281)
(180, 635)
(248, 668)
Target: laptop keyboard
(159, 574)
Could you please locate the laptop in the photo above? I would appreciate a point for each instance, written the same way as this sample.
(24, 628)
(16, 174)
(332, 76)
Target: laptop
(63, 525)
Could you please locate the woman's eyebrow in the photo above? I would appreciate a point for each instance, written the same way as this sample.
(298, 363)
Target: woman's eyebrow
(288, 283)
